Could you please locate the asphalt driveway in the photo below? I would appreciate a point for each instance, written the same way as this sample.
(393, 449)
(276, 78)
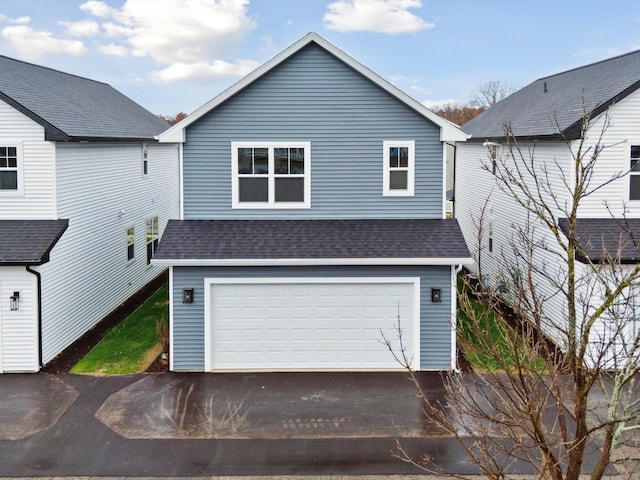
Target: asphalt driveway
(217, 424)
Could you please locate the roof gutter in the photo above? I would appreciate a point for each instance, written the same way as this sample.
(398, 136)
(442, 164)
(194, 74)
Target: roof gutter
(279, 262)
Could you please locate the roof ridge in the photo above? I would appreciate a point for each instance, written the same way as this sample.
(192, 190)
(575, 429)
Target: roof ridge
(588, 65)
(53, 70)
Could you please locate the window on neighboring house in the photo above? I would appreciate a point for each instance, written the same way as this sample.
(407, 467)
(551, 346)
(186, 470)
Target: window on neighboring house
(145, 160)
(271, 175)
(399, 160)
(634, 173)
(8, 168)
(130, 244)
(152, 237)
(490, 237)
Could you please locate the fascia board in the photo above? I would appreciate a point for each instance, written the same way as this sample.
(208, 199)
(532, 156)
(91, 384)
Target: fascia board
(281, 262)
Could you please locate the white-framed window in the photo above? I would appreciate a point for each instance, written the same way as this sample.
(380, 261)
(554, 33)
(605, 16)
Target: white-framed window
(152, 237)
(131, 240)
(490, 237)
(10, 169)
(399, 168)
(145, 160)
(271, 174)
(634, 173)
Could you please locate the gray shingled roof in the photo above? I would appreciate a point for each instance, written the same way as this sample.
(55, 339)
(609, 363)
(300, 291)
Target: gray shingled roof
(72, 107)
(598, 238)
(533, 110)
(28, 242)
(311, 239)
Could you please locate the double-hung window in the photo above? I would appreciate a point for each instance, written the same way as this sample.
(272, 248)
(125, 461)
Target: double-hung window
(131, 238)
(152, 237)
(271, 174)
(9, 181)
(634, 173)
(398, 171)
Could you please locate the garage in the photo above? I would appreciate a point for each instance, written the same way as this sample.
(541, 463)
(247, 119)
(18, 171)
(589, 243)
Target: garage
(280, 324)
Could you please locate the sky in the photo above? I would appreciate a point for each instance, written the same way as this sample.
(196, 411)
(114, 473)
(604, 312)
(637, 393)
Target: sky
(173, 56)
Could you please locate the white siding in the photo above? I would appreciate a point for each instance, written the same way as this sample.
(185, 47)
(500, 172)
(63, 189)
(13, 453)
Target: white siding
(102, 191)
(18, 329)
(37, 173)
(475, 187)
(622, 132)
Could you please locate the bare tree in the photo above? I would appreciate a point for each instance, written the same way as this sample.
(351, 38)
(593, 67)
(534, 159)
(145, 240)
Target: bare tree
(537, 406)
(489, 93)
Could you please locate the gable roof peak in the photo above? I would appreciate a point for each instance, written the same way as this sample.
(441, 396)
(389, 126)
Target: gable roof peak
(448, 130)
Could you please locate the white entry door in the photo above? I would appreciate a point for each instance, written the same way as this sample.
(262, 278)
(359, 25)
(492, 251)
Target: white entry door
(280, 324)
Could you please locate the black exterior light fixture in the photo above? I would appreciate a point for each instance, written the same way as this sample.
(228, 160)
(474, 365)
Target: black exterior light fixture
(14, 301)
(187, 295)
(436, 295)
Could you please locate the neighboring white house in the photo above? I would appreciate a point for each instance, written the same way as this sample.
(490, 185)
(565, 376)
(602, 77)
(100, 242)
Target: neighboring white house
(85, 192)
(542, 116)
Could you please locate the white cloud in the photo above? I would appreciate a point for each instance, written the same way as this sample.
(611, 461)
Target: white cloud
(33, 44)
(183, 35)
(20, 20)
(115, 50)
(83, 28)
(98, 9)
(385, 16)
(204, 71)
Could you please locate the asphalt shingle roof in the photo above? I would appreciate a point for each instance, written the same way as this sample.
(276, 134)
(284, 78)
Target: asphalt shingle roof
(534, 110)
(599, 238)
(72, 107)
(311, 239)
(28, 242)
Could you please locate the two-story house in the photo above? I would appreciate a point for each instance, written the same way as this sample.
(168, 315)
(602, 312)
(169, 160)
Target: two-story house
(546, 119)
(312, 223)
(85, 192)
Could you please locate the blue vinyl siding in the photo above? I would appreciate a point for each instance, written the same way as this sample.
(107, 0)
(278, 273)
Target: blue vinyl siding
(188, 320)
(315, 97)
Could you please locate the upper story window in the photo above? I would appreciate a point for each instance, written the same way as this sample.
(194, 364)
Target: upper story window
(9, 169)
(271, 175)
(145, 160)
(399, 165)
(152, 237)
(634, 173)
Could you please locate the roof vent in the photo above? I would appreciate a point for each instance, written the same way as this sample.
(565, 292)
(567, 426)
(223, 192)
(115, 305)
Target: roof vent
(545, 88)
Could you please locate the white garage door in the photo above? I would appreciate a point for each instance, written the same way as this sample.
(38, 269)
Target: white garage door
(310, 324)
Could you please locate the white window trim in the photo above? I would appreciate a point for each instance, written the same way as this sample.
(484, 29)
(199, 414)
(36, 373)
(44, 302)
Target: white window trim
(627, 179)
(271, 204)
(146, 237)
(145, 160)
(132, 259)
(19, 192)
(386, 187)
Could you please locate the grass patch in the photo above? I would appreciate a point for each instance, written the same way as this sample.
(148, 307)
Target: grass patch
(489, 343)
(131, 346)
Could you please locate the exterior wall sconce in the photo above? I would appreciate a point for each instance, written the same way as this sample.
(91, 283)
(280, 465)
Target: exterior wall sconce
(14, 301)
(436, 295)
(187, 295)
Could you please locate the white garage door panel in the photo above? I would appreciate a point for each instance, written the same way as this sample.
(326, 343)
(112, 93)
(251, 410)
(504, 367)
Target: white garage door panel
(332, 324)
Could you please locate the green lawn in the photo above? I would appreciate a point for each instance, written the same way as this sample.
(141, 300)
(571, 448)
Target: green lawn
(131, 346)
(489, 343)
